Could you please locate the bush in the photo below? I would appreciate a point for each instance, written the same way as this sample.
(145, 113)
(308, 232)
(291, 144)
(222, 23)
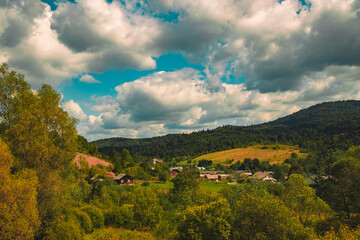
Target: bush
(64, 230)
(97, 217)
(85, 221)
(114, 233)
(259, 218)
(145, 184)
(120, 216)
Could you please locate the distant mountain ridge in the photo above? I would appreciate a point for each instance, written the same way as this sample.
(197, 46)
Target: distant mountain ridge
(333, 124)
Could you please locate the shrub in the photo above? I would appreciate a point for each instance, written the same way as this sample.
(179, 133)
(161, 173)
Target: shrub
(97, 217)
(62, 229)
(145, 184)
(120, 216)
(85, 221)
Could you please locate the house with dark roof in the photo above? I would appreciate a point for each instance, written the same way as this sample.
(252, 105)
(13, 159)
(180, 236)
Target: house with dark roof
(124, 178)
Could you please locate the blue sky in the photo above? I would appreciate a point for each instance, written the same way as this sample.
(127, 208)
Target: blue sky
(143, 68)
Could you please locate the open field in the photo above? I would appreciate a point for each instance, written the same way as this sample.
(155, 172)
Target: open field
(163, 186)
(203, 185)
(273, 153)
(212, 186)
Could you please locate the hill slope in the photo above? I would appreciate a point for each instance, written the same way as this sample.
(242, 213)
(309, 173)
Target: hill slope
(331, 125)
(272, 153)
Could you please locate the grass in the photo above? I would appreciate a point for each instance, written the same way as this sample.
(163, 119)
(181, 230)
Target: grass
(272, 153)
(212, 186)
(162, 186)
(118, 233)
(205, 185)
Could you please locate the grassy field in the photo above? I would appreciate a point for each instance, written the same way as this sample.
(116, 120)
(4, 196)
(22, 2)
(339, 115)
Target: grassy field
(212, 186)
(272, 153)
(203, 184)
(162, 186)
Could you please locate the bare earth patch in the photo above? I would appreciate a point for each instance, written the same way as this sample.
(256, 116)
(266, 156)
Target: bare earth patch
(90, 160)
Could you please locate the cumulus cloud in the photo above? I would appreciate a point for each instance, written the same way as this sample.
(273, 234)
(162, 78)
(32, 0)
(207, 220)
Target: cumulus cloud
(75, 110)
(272, 44)
(88, 79)
(282, 55)
(86, 36)
(180, 101)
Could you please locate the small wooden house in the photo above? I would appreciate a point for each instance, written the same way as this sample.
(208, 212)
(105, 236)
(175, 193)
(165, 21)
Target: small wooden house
(124, 178)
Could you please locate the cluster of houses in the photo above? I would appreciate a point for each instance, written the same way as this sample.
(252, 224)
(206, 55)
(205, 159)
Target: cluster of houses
(214, 176)
(124, 178)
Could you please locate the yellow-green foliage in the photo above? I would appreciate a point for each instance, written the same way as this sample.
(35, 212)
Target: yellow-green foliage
(299, 197)
(18, 213)
(40, 134)
(343, 233)
(274, 154)
(118, 234)
(84, 220)
(61, 229)
(147, 208)
(260, 218)
(120, 216)
(210, 221)
(97, 217)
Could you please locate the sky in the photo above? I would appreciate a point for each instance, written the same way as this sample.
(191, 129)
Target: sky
(144, 68)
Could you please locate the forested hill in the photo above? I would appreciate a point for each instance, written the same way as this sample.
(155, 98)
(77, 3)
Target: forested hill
(327, 126)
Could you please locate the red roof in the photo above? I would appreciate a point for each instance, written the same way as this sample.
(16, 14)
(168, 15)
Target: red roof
(90, 160)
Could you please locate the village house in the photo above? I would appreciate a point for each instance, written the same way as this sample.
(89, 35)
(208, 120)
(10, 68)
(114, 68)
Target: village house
(176, 168)
(243, 173)
(203, 174)
(264, 176)
(155, 161)
(124, 178)
(214, 177)
(223, 176)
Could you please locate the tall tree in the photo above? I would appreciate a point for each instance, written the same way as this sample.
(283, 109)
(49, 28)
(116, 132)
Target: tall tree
(19, 217)
(299, 197)
(35, 121)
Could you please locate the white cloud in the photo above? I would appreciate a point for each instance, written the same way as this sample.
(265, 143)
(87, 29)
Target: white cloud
(75, 110)
(278, 48)
(88, 79)
(181, 101)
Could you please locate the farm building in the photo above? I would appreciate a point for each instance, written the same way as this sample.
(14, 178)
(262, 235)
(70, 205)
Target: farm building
(214, 177)
(203, 174)
(124, 178)
(244, 173)
(223, 176)
(264, 176)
